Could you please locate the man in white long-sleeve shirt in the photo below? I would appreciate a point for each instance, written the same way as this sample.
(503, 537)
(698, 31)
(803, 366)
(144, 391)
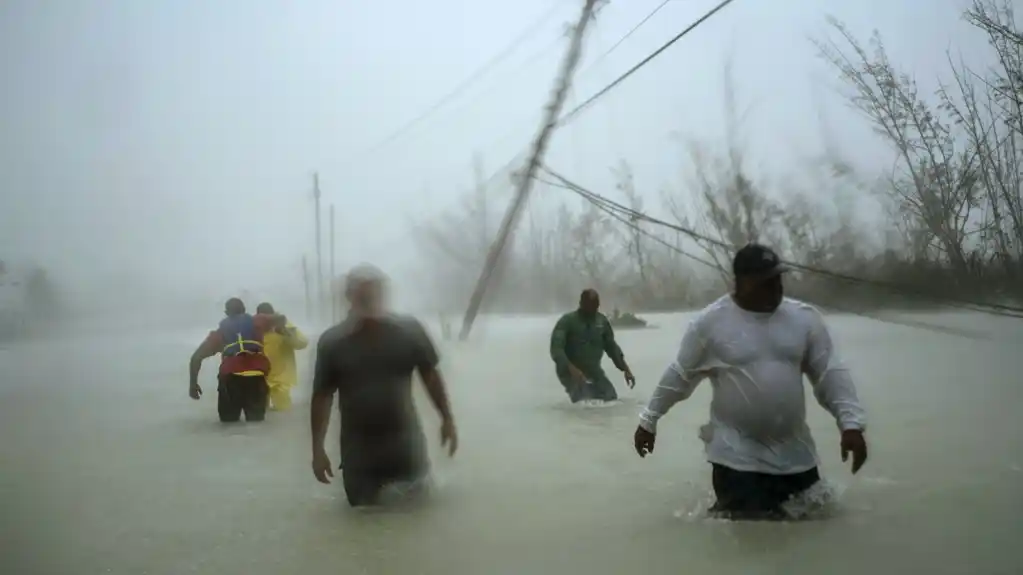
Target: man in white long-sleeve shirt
(755, 345)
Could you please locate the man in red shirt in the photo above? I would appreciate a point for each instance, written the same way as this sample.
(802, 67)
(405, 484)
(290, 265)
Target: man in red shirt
(241, 381)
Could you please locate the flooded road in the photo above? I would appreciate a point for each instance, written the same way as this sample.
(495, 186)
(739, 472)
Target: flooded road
(108, 468)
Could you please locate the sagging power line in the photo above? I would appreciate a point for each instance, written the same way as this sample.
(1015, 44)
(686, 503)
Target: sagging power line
(459, 89)
(622, 40)
(632, 225)
(532, 60)
(630, 215)
(574, 113)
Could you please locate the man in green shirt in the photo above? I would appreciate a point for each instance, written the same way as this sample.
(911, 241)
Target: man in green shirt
(578, 343)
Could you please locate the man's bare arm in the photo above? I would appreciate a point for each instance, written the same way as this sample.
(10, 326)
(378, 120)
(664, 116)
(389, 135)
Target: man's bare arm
(208, 348)
(319, 418)
(426, 362)
(324, 385)
(612, 349)
(437, 390)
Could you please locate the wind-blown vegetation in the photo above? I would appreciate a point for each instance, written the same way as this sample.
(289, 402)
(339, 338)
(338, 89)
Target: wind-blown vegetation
(952, 204)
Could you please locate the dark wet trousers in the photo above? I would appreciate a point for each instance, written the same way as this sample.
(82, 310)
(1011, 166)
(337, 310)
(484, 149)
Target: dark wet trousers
(598, 389)
(237, 394)
(367, 469)
(748, 495)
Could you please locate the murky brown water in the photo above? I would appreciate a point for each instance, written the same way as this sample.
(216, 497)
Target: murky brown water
(108, 468)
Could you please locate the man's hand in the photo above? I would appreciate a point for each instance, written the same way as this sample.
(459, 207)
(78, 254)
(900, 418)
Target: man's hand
(853, 442)
(194, 391)
(577, 374)
(630, 379)
(644, 441)
(449, 436)
(322, 468)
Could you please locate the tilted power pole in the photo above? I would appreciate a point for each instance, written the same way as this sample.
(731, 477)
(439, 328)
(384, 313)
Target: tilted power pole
(525, 179)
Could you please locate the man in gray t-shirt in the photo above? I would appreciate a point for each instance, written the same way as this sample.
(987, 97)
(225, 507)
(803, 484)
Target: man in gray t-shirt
(368, 360)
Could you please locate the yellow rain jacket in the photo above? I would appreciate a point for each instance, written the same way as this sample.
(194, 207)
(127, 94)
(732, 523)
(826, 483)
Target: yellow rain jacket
(280, 349)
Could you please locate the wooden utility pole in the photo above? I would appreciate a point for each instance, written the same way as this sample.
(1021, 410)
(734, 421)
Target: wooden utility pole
(319, 250)
(330, 291)
(305, 284)
(525, 179)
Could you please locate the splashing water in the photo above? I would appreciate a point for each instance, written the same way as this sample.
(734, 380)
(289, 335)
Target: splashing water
(406, 492)
(596, 403)
(821, 501)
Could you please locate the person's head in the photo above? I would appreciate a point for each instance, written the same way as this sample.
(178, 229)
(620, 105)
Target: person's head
(265, 308)
(758, 271)
(589, 301)
(366, 291)
(233, 307)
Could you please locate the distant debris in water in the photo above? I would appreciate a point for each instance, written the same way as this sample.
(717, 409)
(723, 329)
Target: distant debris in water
(627, 320)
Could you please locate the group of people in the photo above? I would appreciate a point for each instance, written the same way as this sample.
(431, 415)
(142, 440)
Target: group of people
(367, 361)
(257, 362)
(753, 344)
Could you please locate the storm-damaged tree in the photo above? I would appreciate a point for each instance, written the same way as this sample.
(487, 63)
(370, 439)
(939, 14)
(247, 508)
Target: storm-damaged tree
(546, 247)
(588, 250)
(456, 242)
(935, 181)
(988, 107)
(956, 185)
(636, 242)
(729, 208)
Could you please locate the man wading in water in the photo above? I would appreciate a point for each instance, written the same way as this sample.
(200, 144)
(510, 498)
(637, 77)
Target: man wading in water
(368, 360)
(578, 343)
(755, 345)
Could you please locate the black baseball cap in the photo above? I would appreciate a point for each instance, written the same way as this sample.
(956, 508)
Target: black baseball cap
(757, 260)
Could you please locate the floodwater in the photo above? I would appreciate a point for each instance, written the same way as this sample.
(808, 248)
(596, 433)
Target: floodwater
(108, 468)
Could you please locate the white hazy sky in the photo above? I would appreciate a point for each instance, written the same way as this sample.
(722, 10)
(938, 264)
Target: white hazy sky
(173, 141)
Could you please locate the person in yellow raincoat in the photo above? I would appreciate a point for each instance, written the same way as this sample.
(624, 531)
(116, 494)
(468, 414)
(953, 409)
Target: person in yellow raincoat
(279, 346)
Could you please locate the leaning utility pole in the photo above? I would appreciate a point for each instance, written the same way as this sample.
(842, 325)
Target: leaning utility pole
(319, 249)
(525, 179)
(330, 289)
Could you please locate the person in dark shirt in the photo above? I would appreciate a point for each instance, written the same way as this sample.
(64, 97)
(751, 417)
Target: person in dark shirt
(578, 344)
(367, 361)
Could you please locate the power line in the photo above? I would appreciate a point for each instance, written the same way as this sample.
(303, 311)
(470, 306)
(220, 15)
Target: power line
(465, 84)
(593, 65)
(572, 115)
(529, 62)
(579, 109)
(525, 64)
(995, 309)
(984, 307)
(902, 321)
(632, 225)
(622, 40)
(588, 69)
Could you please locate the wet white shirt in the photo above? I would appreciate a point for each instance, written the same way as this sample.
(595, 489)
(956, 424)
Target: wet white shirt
(756, 362)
